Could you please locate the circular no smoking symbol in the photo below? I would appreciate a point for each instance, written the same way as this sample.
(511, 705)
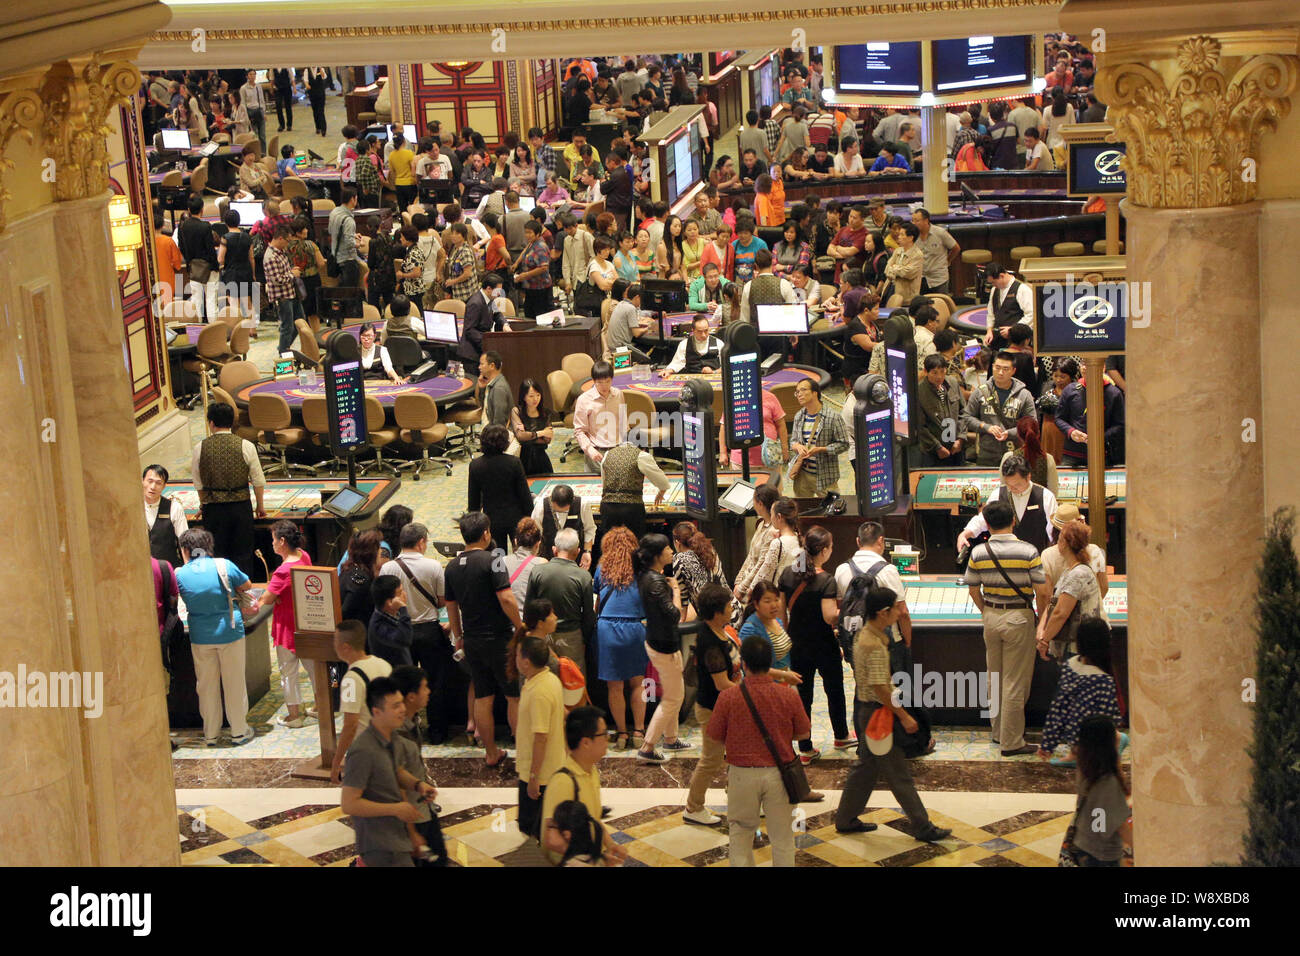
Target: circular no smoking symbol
(1107, 162)
(1090, 311)
(312, 584)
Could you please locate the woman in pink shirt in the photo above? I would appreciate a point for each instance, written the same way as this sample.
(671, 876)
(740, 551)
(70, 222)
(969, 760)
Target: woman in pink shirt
(286, 540)
(774, 427)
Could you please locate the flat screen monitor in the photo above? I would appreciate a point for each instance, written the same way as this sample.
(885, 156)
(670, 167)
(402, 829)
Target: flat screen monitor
(888, 68)
(172, 335)
(685, 169)
(345, 398)
(344, 501)
(527, 203)
(663, 295)
(971, 351)
(250, 213)
(901, 374)
(739, 498)
(880, 458)
(1078, 317)
(440, 327)
(552, 317)
(719, 59)
(1095, 169)
(176, 139)
(341, 302)
(981, 62)
(782, 319)
(408, 134)
(745, 390)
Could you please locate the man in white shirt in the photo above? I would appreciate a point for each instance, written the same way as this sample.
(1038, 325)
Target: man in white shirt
(559, 504)
(350, 646)
(1034, 506)
(1010, 301)
(871, 552)
(432, 164)
(848, 162)
(254, 99)
(599, 416)
(940, 248)
(166, 529)
(699, 352)
(952, 123)
(1037, 156)
(423, 582)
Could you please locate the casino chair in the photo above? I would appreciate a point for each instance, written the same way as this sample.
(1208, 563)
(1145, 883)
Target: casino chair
(1099, 247)
(783, 392)
(242, 428)
(1025, 252)
(381, 436)
(213, 352)
(182, 312)
(405, 354)
(316, 420)
(508, 308)
(1068, 249)
(417, 423)
(827, 343)
(465, 415)
(273, 147)
(292, 186)
(307, 354)
(173, 180)
(944, 305)
(455, 306)
(577, 365)
(269, 414)
(239, 343)
(368, 313)
(978, 258)
(560, 384)
(827, 290)
(223, 138)
(235, 375)
(322, 205)
(641, 406)
(199, 177)
(895, 301)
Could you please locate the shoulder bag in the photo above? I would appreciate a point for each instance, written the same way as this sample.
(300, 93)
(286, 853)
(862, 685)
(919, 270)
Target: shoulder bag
(792, 773)
(247, 610)
(1027, 598)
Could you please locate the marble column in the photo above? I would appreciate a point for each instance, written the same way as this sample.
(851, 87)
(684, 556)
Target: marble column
(1196, 477)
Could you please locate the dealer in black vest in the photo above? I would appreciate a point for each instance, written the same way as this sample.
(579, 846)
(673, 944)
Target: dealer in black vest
(563, 509)
(1010, 301)
(698, 352)
(224, 465)
(164, 517)
(1034, 506)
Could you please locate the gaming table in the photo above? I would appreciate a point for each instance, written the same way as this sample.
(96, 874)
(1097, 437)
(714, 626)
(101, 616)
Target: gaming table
(666, 392)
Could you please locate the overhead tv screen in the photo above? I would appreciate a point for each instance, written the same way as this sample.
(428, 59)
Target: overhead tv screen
(880, 68)
(981, 62)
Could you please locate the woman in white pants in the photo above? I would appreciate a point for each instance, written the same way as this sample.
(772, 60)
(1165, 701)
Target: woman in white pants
(286, 540)
(210, 586)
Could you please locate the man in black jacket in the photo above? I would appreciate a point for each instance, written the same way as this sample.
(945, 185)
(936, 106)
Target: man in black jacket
(198, 248)
(480, 317)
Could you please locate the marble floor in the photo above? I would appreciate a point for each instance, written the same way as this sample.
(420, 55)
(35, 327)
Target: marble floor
(292, 827)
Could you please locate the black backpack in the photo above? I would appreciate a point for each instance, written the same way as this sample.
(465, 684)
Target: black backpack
(854, 606)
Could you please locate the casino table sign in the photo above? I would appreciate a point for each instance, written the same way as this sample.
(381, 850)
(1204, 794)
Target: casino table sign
(973, 320)
(444, 389)
(941, 489)
(667, 391)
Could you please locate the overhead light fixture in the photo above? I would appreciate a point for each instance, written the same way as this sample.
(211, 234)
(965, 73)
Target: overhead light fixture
(1040, 84)
(927, 98)
(828, 94)
(126, 230)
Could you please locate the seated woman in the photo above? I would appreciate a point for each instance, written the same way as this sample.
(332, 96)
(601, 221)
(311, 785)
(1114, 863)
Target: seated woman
(375, 362)
(791, 251)
(796, 166)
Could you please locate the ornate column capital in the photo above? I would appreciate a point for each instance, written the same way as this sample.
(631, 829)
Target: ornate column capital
(1193, 135)
(20, 113)
(77, 95)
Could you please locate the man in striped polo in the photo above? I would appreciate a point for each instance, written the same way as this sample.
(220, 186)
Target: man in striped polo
(1006, 579)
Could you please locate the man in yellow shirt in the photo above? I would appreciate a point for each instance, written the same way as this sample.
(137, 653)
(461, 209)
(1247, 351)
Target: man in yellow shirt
(539, 732)
(572, 156)
(401, 172)
(578, 779)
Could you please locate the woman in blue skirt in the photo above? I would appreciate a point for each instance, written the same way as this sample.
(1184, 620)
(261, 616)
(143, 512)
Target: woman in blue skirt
(620, 633)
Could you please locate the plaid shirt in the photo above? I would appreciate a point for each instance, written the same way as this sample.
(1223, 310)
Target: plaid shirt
(458, 261)
(538, 256)
(782, 714)
(829, 431)
(279, 284)
(772, 129)
(545, 162)
(265, 228)
(965, 134)
(368, 177)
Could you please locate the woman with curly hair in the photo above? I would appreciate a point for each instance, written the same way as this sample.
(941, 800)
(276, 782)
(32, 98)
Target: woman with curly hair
(695, 564)
(620, 635)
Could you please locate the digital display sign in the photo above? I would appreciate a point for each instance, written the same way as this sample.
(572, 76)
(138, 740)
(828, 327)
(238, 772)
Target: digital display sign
(880, 68)
(345, 399)
(685, 169)
(879, 454)
(744, 399)
(764, 88)
(696, 454)
(900, 371)
(1078, 317)
(981, 62)
(1095, 169)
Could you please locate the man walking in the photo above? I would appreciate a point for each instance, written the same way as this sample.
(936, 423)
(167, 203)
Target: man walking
(430, 648)
(569, 589)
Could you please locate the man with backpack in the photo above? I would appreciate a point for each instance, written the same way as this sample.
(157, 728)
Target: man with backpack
(350, 646)
(866, 569)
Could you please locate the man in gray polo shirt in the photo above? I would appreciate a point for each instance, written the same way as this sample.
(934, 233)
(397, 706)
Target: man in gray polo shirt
(494, 390)
(425, 591)
(569, 589)
(1006, 603)
(374, 781)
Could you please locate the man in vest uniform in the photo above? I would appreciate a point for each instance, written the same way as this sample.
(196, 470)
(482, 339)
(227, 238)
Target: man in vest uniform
(1010, 301)
(993, 410)
(1033, 504)
(164, 517)
(563, 509)
(223, 466)
(765, 288)
(698, 352)
(623, 472)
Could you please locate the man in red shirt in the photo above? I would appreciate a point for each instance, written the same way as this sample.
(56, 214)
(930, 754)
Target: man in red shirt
(1062, 75)
(754, 783)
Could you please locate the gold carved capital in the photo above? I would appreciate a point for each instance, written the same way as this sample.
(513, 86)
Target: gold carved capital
(78, 95)
(20, 112)
(1193, 141)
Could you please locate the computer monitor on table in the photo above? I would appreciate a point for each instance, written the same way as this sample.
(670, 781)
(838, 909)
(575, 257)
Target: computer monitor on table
(527, 203)
(782, 319)
(663, 295)
(440, 327)
(176, 139)
(339, 303)
(250, 212)
(437, 191)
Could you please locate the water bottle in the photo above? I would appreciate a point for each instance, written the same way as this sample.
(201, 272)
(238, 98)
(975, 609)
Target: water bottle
(302, 377)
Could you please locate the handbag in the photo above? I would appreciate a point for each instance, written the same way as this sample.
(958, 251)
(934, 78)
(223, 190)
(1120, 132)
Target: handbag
(1068, 856)
(200, 271)
(793, 777)
(772, 454)
(247, 609)
(1067, 636)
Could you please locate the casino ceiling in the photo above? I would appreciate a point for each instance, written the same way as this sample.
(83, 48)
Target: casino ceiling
(235, 33)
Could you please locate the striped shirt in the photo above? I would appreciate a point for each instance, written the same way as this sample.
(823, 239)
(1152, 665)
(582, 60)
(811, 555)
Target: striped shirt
(870, 663)
(1018, 558)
